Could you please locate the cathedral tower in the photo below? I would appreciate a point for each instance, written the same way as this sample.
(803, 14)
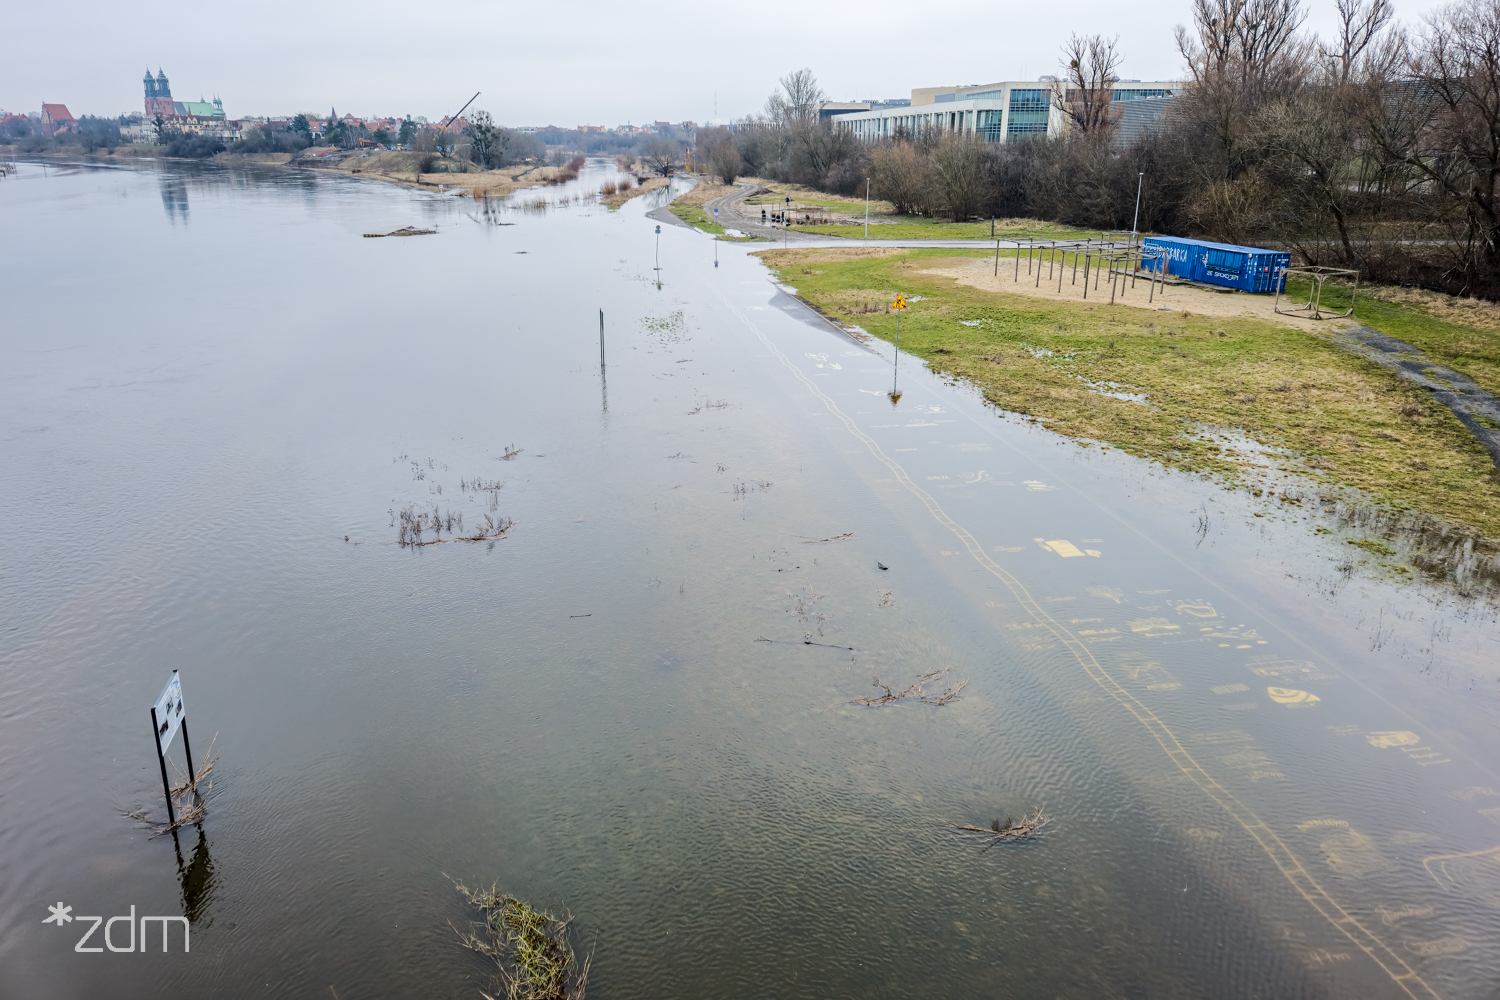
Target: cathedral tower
(158, 96)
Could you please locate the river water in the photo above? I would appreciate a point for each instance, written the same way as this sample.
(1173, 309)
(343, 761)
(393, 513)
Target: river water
(1270, 770)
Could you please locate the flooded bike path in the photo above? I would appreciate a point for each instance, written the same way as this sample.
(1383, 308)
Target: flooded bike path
(1270, 749)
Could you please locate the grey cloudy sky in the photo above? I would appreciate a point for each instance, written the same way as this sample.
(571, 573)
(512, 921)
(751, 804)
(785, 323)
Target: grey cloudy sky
(598, 62)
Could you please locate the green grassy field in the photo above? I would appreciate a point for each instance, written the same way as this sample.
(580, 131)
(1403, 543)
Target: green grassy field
(1307, 406)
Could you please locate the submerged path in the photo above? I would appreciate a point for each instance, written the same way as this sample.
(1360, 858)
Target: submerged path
(1474, 407)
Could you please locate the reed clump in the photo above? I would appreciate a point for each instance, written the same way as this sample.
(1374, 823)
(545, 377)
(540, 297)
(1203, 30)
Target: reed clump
(531, 949)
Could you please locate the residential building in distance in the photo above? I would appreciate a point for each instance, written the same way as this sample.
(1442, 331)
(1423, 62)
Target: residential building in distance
(57, 118)
(1007, 110)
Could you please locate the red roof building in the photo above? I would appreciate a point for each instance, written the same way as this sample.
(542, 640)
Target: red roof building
(57, 118)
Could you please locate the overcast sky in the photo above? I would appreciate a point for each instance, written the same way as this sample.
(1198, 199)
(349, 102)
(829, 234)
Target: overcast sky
(596, 62)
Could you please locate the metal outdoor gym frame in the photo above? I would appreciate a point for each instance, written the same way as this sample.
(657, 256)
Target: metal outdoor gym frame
(1315, 277)
(1116, 258)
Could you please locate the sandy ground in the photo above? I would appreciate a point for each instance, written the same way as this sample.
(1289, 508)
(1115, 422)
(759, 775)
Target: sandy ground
(1181, 299)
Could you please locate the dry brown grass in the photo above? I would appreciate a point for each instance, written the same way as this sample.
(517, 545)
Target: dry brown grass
(707, 189)
(621, 197)
(1452, 308)
(806, 197)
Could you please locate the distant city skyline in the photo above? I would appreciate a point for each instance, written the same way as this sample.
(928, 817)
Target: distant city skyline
(601, 64)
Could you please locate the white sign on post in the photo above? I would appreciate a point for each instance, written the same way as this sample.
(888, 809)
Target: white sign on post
(168, 713)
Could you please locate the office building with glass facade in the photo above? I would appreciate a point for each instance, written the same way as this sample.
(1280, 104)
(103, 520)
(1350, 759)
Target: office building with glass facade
(996, 112)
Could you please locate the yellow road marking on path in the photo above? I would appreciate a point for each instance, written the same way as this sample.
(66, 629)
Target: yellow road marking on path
(1280, 854)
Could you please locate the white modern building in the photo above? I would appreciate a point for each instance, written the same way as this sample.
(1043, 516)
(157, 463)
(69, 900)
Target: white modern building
(1001, 112)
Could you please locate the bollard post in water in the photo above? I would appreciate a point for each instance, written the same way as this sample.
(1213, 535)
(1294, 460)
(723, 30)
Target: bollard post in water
(601, 338)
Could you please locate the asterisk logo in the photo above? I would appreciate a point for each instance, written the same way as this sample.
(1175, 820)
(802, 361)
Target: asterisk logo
(60, 914)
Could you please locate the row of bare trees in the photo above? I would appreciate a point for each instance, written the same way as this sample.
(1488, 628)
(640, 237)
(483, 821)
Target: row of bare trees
(1377, 149)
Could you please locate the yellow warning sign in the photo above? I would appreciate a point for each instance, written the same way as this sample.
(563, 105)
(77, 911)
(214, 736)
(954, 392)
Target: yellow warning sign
(900, 302)
(1291, 696)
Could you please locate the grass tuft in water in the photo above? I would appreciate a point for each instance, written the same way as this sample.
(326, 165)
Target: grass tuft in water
(533, 956)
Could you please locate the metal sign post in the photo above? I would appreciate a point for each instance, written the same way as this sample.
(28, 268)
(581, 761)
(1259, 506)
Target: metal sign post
(657, 269)
(167, 717)
(900, 306)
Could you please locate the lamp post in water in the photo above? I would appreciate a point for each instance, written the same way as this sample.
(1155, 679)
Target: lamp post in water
(657, 269)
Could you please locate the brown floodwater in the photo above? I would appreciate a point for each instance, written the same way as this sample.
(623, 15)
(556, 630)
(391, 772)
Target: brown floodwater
(1269, 764)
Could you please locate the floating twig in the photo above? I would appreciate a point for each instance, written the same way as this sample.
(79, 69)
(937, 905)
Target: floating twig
(1026, 828)
(835, 538)
(917, 691)
(804, 642)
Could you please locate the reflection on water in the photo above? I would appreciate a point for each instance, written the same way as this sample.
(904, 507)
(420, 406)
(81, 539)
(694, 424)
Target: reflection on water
(1250, 799)
(174, 196)
(196, 877)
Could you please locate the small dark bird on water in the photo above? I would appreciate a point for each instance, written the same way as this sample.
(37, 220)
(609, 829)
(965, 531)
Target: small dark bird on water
(881, 564)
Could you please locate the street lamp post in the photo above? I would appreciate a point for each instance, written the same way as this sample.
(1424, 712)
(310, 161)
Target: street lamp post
(1135, 223)
(658, 257)
(867, 209)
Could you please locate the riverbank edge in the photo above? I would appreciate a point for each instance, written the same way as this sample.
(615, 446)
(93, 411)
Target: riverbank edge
(476, 184)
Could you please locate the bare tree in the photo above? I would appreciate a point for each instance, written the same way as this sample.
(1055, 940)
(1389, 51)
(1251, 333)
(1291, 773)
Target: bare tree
(1090, 62)
(1246, 40)
(958, 169)
(797, 101)
(724, 161)
(1457, 148)
(659, 155)
(1360, 25)
(902, 176)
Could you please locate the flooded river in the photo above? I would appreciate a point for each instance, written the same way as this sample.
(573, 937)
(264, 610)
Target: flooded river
(1269, 770)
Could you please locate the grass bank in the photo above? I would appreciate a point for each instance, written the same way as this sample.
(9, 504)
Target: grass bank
(1242, 398)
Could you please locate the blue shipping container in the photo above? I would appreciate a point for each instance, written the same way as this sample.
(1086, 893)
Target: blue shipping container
(1249, 269)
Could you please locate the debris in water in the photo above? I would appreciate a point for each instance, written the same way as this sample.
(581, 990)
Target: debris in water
(403, 231)
(414, 524)
(531, 950)
(835, 538)
(881, 564)
(1027, 828)
(916, 692)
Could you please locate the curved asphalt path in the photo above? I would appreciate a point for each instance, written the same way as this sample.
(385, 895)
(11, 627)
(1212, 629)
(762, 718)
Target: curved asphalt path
(731, 217)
